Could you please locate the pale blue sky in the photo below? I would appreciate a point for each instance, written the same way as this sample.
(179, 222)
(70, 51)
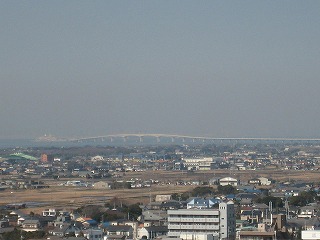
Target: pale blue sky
(203, 68)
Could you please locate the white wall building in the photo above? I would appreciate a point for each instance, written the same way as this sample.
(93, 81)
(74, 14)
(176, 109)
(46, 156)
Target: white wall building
(264, 181)
(228, 181)
(198, 163)
(315, 234)
(191, 224)
(51, 212)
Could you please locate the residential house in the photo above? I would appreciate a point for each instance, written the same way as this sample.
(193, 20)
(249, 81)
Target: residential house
(228, 181)
(248, 196)
(200, 203)
(31, 225)
(49, 212)
(163, 198)
(65, 229)
(264, 181)
(93, 234)
(171, 205)
(312, 223)
(254, 181)
(253, 216)
(119, 230)
(153, 217)
(307, 212)
(4, 224)
(151, 232)
(60, 220)
(20, 216)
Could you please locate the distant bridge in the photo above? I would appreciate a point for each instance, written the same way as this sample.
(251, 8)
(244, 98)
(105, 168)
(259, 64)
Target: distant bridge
(140, 137)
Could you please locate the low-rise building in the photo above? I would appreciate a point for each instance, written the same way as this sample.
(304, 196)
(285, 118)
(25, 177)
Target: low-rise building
(228, 181)
(51, 212)
(30, 225)
(200, 203)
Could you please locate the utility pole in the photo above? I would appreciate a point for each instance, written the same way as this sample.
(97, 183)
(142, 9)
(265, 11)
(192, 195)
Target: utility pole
(270, 209)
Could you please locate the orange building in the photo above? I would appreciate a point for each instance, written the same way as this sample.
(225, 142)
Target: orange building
(45, 158)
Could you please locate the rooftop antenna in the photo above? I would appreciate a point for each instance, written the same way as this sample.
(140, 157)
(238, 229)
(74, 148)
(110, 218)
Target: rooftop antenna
(286, 205)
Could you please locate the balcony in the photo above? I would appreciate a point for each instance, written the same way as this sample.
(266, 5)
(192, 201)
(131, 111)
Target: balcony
(193, 220)
(192, 227)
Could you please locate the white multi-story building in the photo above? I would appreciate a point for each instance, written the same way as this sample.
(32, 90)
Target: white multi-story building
(203, 224)
(198, 163)
(51, 212)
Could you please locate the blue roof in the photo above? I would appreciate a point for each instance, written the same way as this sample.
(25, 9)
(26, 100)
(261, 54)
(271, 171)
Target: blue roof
(230, 196)
(253, 191)
(92, 222)
(105, 224)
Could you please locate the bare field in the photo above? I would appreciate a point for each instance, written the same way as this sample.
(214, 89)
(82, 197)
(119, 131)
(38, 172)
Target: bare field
(276, 174)
(72, 197)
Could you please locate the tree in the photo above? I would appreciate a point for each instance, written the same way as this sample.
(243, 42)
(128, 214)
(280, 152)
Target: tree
(303, 198)
(16, 235)
(13, 235)
(228, 189)
(92, 211)
(133, 210)
(276, 202)
(112, 215)
(181, 196)
(202, 191)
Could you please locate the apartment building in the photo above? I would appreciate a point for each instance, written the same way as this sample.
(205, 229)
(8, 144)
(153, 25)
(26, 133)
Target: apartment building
(198, 163)
(203, 224)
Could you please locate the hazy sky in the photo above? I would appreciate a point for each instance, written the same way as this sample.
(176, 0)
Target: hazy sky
(202, 68)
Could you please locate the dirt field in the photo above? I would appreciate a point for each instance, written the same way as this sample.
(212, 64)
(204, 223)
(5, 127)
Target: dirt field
(73, 197)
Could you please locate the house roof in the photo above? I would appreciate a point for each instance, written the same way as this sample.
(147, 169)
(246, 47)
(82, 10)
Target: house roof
(59, 229)
(228, 179)
(167, 204)
(31, 221)
(309, 208)
(246, 195)
(117, 228)
(251, 213)
(91, 222)
(260, 206)
(105, 224)
(19, 213)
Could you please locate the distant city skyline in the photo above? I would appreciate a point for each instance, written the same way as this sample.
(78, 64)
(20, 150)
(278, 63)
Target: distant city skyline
(211, 68)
